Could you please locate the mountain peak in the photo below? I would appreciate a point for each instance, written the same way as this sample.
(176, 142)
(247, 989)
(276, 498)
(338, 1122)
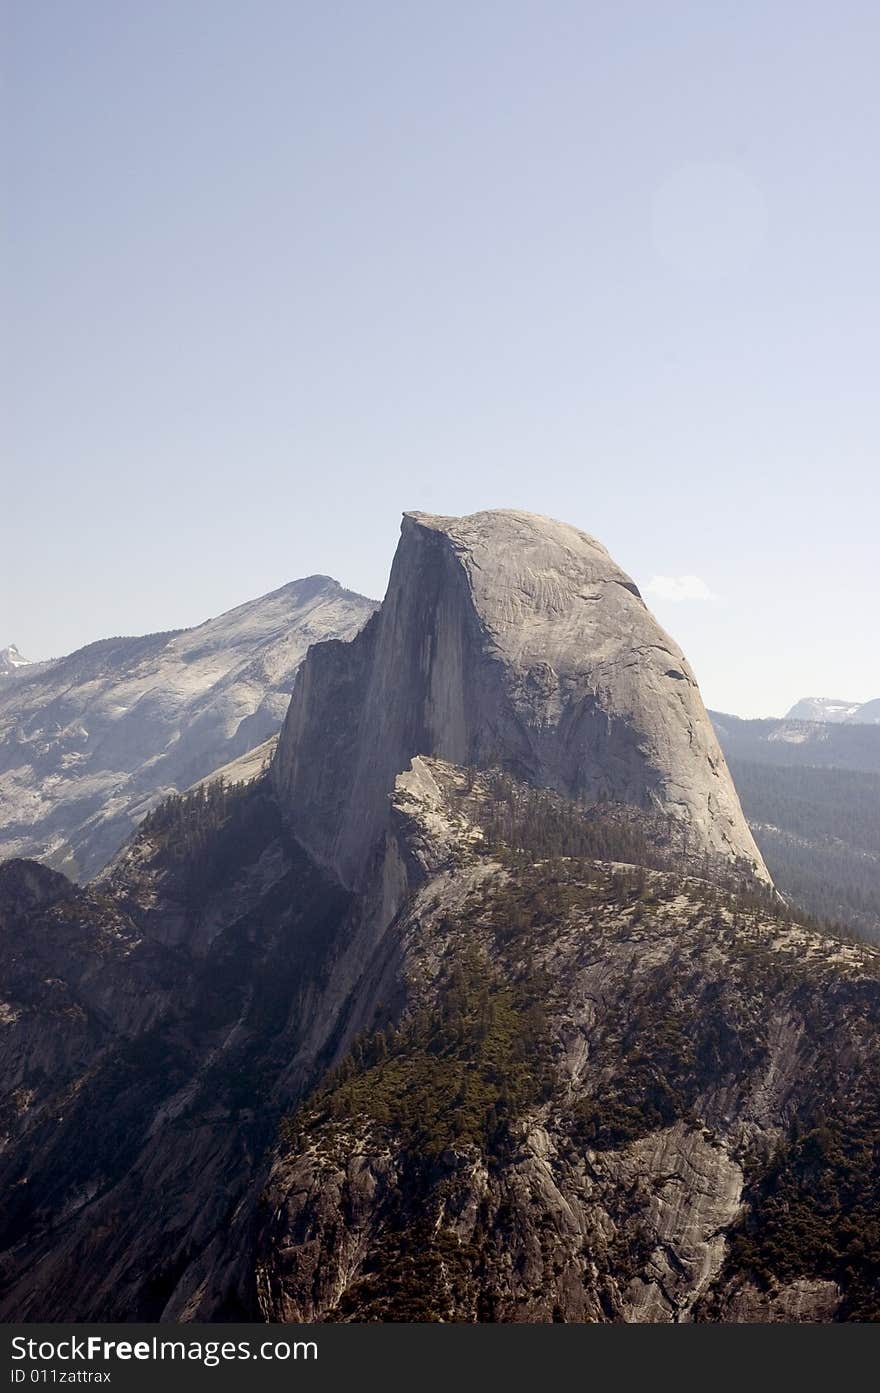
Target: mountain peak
(833, 710)
(11, 659)
(122, 722)
(505, 639)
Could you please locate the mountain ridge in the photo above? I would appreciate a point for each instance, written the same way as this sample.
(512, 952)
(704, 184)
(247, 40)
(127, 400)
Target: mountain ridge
(90, 740)
(834, 711)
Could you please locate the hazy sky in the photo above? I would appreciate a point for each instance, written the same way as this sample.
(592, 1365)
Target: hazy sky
(275, 272)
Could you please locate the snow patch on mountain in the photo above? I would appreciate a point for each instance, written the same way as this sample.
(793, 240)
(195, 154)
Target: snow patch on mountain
(831, 709)
(12, 660)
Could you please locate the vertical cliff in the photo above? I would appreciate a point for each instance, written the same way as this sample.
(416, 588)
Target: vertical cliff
(504, 639)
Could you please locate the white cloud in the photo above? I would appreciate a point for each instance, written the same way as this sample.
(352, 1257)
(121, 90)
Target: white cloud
(679, 588)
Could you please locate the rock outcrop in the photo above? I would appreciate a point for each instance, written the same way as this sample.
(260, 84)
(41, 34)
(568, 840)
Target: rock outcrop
(504, 639)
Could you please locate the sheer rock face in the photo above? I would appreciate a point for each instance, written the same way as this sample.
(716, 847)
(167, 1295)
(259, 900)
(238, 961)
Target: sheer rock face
(509, 639)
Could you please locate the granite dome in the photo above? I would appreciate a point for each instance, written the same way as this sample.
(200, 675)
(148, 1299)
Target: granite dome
(509, 639)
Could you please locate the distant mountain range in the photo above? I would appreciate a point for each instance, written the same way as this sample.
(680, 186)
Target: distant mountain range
(779, 740)
(836, 712)
(811, 793)
(89, 742)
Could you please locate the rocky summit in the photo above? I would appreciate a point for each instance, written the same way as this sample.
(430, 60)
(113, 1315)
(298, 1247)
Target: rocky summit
(475, 1004)
(12, 661)
(504, 639)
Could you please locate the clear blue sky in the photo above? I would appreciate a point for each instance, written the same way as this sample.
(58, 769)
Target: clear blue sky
(275, 272)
